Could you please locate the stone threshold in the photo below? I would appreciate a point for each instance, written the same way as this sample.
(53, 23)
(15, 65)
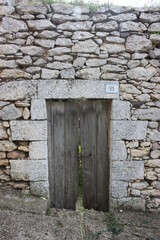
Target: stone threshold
(14, 200)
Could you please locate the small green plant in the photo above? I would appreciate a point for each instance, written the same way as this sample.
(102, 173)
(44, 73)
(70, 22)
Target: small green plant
(96, 235)
(157, 33)
(113, 226)
(88, 235)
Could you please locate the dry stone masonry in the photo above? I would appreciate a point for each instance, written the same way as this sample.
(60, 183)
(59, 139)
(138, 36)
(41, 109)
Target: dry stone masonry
(63, 51)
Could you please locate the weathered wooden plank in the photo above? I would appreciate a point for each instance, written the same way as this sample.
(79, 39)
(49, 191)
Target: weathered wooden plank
(95, 121)
(102, 135)
(63, 154)
(88, 144)
(71, 155)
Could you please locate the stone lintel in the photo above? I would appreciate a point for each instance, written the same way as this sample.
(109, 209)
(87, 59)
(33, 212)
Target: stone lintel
(76, 89)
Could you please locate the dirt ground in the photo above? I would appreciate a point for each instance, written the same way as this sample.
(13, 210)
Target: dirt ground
(79, 225)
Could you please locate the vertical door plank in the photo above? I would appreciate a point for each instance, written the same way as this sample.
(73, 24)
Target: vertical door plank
(71, 154)
(102, 135)
(63, 154)
(56, 154)
(88, 144)
(95, 121)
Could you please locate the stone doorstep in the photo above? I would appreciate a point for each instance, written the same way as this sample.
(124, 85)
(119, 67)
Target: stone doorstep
(14, 200)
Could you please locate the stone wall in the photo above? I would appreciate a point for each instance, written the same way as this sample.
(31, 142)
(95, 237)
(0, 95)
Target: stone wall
(62, 51)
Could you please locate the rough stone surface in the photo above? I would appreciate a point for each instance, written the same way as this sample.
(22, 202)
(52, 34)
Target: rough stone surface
(119, 9)
(49, 74)
(38, 109)
(73, 89)
(8, 64)
(154, 27)
(94, 62)
(99, 17)
(10, 112)
(6, 10)
(60, 18)
(155, 53)
(76, 26)
(59, 65)
(120, 109)
(59, 51)
(155, 38)
(32, 50)
(68, 73)
(14, 25)
(153, 163)
(138, 153)
(26, 61)
(136, 43)
(133, 63)
(129, 130)
(89, 73)
(149, 17)
(156, 184)
(29, 130)
(38, 150)
(47, 43)
(155, 154)
(111, 68)
(79, 62)
(3, 133)
(8, 49)
(17, 90)
(124, 17)
(141, 73)
(129, 88)
(118, 152)
(62, 8)
(48, 34)
(132, 26)
(39, 25)
(108, 26)
(32, 9)
(16, 155)
(152, 114)
(154, 135)
(134, 203)
(63, 42)
(115, 40)
(39, 189)
(119, 189)
(63, 58)
(14, 74)
(16, 201)
(88, 46)
(113, 48)
(7, 146)
(140, 185)
(33, 170)
(128, 170)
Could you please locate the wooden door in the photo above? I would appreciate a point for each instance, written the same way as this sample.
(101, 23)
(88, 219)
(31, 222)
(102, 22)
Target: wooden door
(63, 153)
(63, 126)
(94, 131)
